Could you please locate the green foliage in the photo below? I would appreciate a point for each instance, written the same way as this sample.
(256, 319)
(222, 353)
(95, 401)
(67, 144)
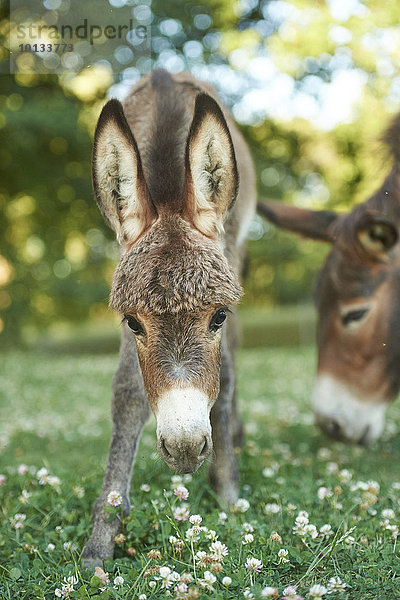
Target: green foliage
(286, 466)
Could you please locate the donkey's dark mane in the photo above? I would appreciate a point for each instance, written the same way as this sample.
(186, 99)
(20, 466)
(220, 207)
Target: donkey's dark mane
(164, 160)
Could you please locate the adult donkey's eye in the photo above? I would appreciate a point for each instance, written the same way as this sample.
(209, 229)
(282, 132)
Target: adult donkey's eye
(134, 325)
(353, 315)
(218, 320)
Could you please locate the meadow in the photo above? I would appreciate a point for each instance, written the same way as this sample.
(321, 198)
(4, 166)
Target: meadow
(315, 519)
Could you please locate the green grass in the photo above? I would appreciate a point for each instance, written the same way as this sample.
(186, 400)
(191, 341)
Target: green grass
(54, 413)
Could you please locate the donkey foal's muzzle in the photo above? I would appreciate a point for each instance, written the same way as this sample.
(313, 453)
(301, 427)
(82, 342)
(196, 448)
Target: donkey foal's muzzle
(183, 429)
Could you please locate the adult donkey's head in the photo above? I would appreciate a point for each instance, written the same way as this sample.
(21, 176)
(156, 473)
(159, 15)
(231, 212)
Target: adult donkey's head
(173, 284)
(358, 301)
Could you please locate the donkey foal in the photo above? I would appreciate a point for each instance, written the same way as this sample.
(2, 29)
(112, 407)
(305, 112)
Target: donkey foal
(166, 169)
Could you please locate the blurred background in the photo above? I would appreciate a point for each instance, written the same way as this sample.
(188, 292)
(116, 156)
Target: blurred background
(312, 84)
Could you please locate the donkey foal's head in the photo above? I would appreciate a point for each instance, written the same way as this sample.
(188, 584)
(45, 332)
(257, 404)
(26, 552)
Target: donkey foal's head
(173, 284)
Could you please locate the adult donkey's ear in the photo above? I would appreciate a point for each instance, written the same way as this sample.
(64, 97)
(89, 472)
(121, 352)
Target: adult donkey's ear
(211, 172)
(315, 224)
(118, 181)
(376, 234)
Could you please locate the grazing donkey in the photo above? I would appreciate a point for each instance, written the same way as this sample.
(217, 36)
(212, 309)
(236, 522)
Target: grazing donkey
(166, 169)
(358, 300)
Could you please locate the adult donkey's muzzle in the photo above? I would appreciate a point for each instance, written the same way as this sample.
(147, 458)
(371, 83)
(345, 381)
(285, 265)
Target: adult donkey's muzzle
(183, 428)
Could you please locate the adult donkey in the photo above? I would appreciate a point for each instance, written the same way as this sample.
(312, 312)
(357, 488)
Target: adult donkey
(166, 169)
(358, 301)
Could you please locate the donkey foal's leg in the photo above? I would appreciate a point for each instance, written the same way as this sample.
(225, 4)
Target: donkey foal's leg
(129, 411)
(223, 472)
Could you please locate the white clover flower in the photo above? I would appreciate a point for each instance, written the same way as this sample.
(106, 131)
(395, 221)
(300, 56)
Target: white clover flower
(24, 497)
(388, 513)
(324, 492)
(50, 548)
(290, 593)
(300, 523)
(181, 590)
(181, 513)
(272, 509)
(195, 519)
(248, 538)
(311, 530)
(3, 479)
(66, 588)
(181, 492)
(269, 592)
(345, 475)
(241, 505)
(218, 550)
(200, 555)
(226, 581)
(42, 476)
(118, 581)
(222, 517)
(326, 530)
(282, 554)
(210, 534)
(317, 591)
(373, 486)
(142, 597)
(324, 454)
(23, 469)
(208, 581)
(152, 584)
(331, 468)
(145, 487)
(393, 529)
(192, 534)
(176, 480)
(247, 593)
(53, 481)
(167, 577)
(349, 540)
(59, 529)
(336, 586)
(247, 528)
(114, 498)
(254, 565)
(268, 472)
(70, 546)
(17, 521)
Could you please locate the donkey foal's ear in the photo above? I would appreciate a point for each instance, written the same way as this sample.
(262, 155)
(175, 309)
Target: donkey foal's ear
(119, 185)
(211, 171)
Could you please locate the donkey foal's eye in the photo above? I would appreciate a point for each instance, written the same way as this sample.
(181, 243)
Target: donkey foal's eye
(354, 315)
(134, 325)
(218, 320)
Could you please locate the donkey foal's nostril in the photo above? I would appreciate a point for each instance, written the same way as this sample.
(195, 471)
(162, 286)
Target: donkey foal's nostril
(204, 449)
(165, 449)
